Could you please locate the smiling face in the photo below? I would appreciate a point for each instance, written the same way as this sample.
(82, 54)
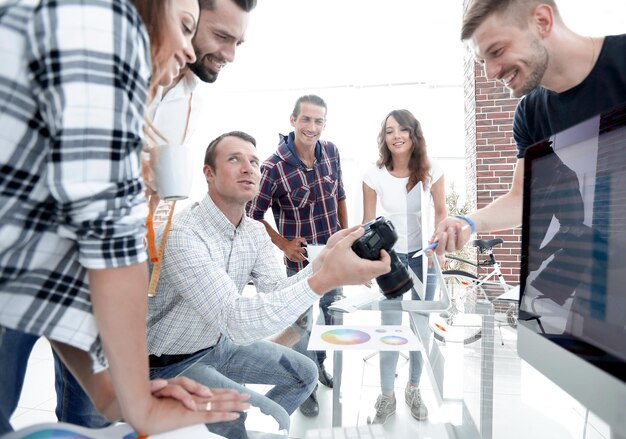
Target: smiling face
(514, 55)
(234, 178)
(397, 138)
(308, 124)
(180, 31)
(220, 32)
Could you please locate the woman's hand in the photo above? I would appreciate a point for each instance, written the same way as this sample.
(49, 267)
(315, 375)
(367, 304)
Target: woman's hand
(195, 396)
(190, 393)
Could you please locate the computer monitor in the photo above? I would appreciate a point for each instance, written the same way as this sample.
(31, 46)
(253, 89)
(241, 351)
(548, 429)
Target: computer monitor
(573, 279)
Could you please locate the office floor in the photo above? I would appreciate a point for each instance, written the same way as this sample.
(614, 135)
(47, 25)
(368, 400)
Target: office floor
(525, 403)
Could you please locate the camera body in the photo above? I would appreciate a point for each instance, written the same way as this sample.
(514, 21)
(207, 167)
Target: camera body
(381, 235)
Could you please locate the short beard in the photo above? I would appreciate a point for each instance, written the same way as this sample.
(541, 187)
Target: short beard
(202, 72)
(539, 63)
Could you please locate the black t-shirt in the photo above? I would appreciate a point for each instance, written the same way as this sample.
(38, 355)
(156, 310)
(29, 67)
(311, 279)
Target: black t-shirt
(542, 113)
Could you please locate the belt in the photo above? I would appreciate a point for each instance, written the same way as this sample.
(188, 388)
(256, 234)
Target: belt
(167, 360)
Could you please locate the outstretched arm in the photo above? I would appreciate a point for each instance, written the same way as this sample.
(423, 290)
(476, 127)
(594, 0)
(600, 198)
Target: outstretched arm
(438, 192)
(369, 204)
(119, 302)
(503, 213)
(338, 265)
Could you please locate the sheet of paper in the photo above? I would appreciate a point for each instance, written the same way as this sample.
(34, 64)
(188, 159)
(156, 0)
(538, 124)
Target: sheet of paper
(376, 338)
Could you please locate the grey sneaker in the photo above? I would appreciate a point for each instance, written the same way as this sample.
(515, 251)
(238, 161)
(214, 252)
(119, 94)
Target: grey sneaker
(414, 401)
(385, 407)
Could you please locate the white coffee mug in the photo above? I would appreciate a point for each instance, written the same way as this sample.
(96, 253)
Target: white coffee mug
(173, 171)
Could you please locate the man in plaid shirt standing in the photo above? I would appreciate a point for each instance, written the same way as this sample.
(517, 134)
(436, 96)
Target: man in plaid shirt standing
(302, 184)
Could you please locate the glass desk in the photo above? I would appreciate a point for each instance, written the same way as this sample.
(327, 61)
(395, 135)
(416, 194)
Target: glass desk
(459, 421)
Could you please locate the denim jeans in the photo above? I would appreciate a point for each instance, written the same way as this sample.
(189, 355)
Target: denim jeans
(228, 365)
(73, 404)
(389, 360)
(5, 401)
(305, 322)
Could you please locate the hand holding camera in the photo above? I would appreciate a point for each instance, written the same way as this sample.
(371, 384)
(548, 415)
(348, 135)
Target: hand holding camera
(356, 255)
(338, 265)
(380, 234)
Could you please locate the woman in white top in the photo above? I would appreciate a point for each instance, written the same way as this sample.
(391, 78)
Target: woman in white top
(393, 184)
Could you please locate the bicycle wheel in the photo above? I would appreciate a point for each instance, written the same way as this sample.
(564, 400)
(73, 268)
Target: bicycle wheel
(459, 324)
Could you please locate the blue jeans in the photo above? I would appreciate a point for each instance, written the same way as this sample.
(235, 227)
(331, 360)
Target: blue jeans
(305, 322)
(228, 365)
(5, 402)
(389, 360)
(73, 404)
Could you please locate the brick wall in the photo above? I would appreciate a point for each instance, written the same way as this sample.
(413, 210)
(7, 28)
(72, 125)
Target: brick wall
(490, 155)
(495, 159)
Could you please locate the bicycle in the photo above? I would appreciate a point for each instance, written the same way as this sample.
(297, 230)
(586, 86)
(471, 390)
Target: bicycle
(460, 323)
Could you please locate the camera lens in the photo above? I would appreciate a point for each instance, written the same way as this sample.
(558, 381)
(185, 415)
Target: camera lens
(398, 281)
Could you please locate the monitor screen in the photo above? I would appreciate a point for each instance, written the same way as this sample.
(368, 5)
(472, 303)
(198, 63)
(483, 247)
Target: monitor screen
(573, 276)
(574, 238)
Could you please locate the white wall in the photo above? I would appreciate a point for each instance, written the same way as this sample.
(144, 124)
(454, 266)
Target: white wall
(365, 58)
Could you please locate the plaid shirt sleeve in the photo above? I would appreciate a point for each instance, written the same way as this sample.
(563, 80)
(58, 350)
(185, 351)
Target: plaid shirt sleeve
(341, 193)
(73, 86)
(91, 92)
(267, 187)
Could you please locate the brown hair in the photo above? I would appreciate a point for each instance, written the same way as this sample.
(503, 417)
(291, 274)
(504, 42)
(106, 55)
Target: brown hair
(158, 19)
(419, 165)
(516, 10)
(308, 99)
(245, 5)
(209, 155)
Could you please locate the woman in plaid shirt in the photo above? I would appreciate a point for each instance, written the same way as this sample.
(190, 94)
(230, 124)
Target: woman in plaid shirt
(74, 84)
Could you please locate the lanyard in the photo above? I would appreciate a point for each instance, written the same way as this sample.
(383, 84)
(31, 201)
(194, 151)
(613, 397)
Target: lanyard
(156, 254)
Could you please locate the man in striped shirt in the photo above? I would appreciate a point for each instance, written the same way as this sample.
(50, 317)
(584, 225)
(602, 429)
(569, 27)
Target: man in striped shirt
(199, 323)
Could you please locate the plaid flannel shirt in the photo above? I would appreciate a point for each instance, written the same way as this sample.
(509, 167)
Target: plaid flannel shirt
(73, 86)
(304, 201)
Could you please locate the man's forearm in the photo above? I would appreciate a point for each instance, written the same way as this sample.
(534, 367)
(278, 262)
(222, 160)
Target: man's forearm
(503, 213)
(277, 239)
(342, 214)
(506, 211)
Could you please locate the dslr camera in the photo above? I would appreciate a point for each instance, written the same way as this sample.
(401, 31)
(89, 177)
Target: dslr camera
(380, 234)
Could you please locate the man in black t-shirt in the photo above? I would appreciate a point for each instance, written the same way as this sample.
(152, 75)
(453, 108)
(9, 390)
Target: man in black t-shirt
(564, 78)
